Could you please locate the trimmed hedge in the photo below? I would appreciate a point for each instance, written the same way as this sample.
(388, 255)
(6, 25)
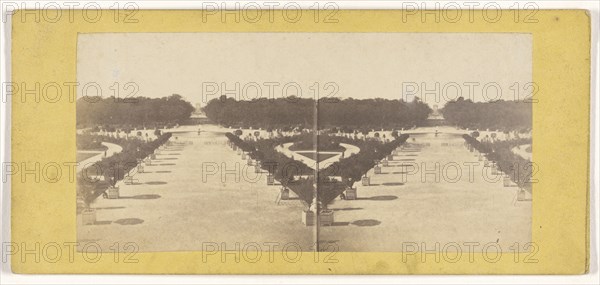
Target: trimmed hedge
(517, 168)
(115, 167)
(284, 168)
(352, 168)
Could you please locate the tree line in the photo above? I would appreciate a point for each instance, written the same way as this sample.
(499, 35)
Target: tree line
(497, 115)
(136, 111)
(519, 170)
(281, 112)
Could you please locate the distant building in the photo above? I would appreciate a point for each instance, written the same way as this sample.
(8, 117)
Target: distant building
(435, 118)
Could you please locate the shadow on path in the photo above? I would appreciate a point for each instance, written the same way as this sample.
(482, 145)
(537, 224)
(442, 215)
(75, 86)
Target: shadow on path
(392, 184)
(142, 197)
(396, 172)
(366, 223)
(347, 209)
(380, 198)
(110, 208)
(129, 221)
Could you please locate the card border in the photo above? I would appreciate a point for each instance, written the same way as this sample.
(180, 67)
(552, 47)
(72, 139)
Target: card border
(46, 52)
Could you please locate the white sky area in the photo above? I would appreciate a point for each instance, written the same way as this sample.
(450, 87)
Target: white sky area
(202, 66)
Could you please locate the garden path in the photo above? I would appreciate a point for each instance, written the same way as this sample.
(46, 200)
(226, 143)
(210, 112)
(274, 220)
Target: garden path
(197, 194)
(405, 204)
(111, 149)
(349, 151)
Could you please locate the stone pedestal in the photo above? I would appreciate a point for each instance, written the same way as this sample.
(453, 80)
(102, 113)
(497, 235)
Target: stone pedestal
(113, 192)
(88, 216)
(351, 194)
(326, 218)
(308, 217)
(270, 179)
(366, 181)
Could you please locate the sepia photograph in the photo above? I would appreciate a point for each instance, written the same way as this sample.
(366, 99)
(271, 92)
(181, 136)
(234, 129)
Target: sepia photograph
(270, 142)
(334, 142)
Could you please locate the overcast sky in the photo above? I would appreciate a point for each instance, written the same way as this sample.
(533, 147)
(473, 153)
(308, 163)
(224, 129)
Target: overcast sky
(199, 66)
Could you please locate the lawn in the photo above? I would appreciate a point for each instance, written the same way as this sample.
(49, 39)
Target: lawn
(312, 154)
(325, 143)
